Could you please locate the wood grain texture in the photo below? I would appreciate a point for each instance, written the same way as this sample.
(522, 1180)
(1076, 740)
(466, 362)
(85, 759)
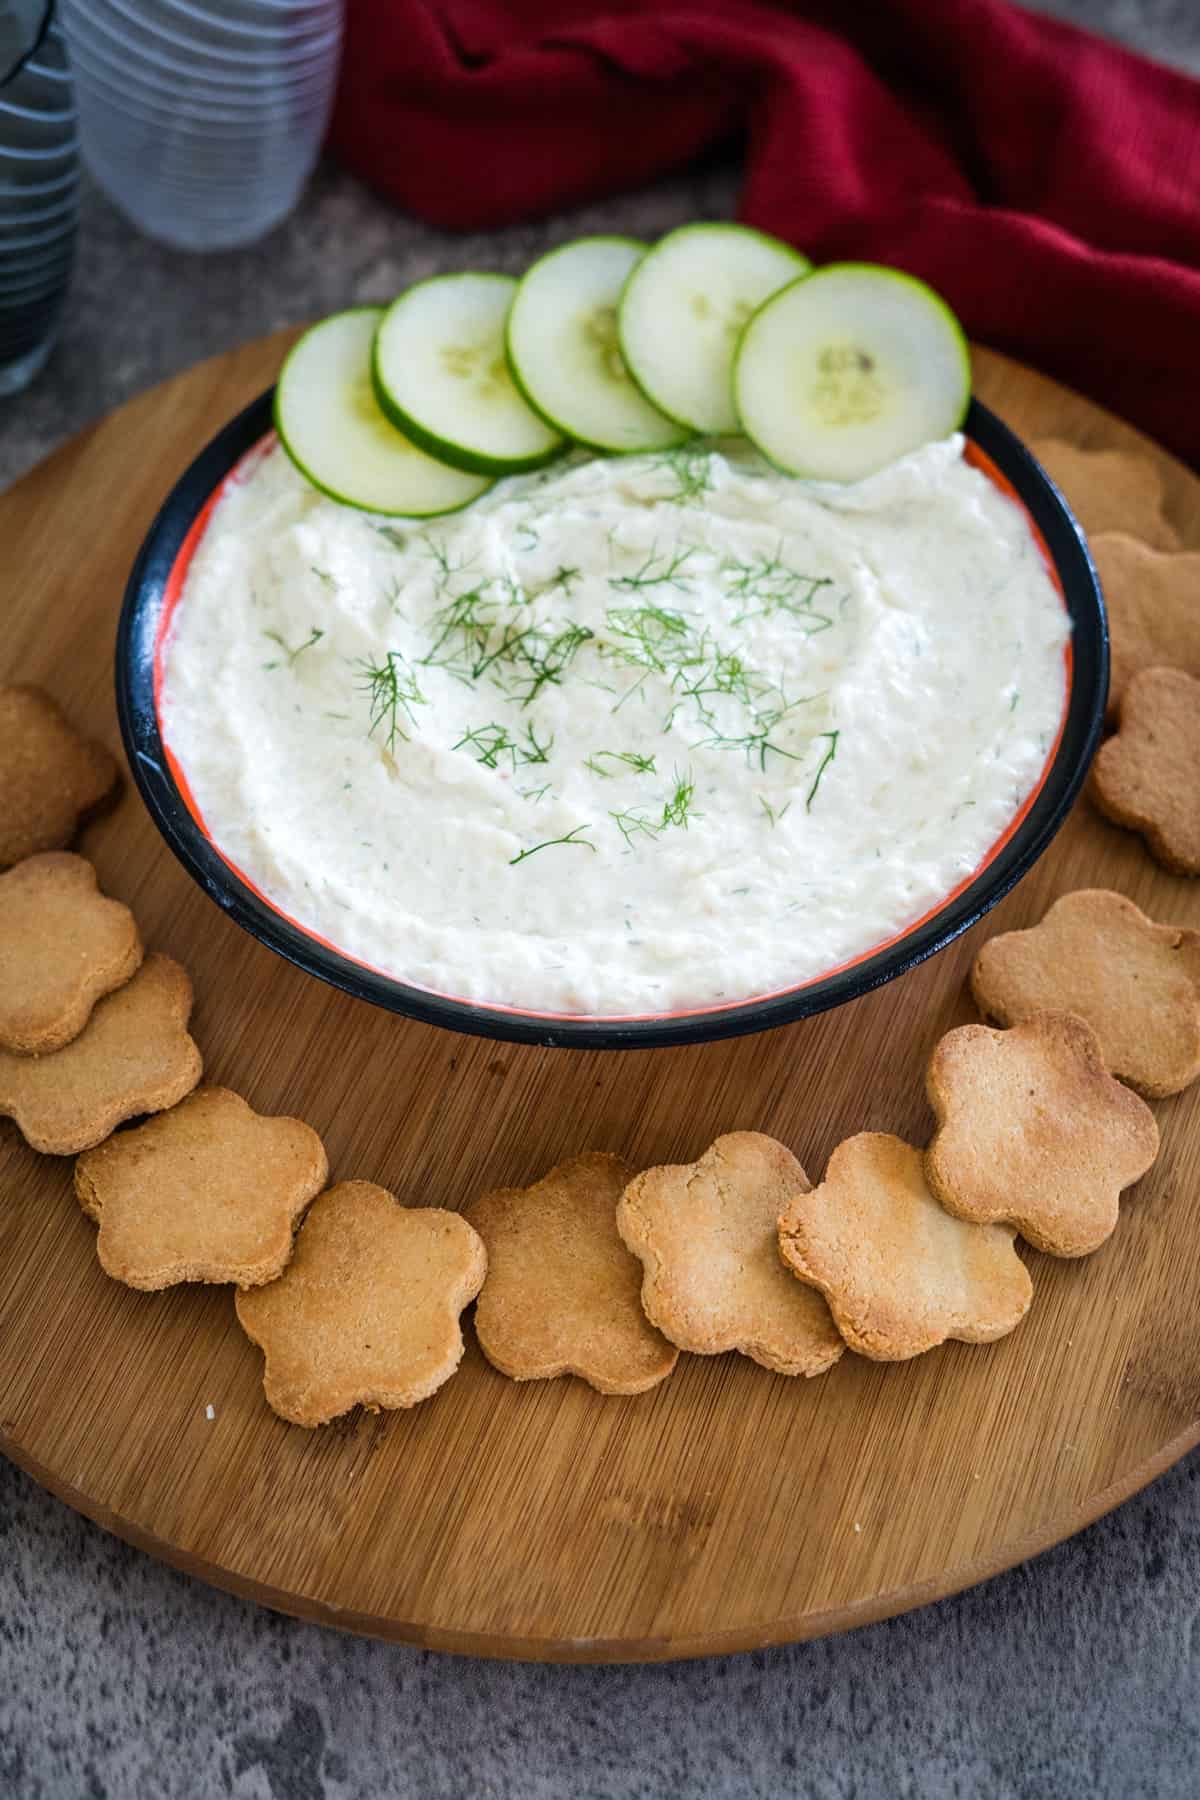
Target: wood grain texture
(726, 1508)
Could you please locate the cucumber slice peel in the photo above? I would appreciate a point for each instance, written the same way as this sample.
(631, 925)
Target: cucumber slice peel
(848, 369)
(330, 426)
(442, 376)
(564, 353)
(682, 309)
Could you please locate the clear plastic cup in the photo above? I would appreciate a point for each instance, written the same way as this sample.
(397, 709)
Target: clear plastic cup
(202, 119)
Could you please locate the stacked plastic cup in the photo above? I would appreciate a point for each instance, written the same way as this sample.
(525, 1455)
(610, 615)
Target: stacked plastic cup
(39, 182)
(202, 119)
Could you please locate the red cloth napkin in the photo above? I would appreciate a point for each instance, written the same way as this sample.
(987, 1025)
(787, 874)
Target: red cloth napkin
(1048, 184)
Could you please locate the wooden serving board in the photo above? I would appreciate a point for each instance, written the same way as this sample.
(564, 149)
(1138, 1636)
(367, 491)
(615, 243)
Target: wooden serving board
(729, 1507)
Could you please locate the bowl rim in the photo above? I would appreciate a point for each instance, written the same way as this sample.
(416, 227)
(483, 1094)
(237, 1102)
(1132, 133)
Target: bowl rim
(1062, 780)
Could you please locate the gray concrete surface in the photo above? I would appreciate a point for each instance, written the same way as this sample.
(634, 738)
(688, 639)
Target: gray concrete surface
(1077, 1675)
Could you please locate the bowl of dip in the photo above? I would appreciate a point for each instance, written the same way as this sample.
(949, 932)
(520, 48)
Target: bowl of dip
(633, 750)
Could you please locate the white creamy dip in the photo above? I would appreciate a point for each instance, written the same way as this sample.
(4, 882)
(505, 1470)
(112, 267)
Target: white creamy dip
(768, 722)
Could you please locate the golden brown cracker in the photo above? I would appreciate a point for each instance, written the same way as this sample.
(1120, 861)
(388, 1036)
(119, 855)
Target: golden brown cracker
(49, 775)
(900, 1274)
(1147, 777)
(133, 1056)
(210, 1191)
(1109, 490)
(1153, 602)
(63, 944)
(1034, 1132)
(1097, 954)
(367, 1311)
(561, 1296)
(706, 1235)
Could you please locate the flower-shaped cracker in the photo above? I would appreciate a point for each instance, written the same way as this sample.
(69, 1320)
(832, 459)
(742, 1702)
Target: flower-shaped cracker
(62, 945)
(1034, 1132)
(706, 1235)
(49, 775)
(1110, 490)
(210, 1191)
(367, 1311)
(1147, 777)
(899, 1273)
(1153, 603)
(561, 1297)
(1096, 954)
(133, 1056)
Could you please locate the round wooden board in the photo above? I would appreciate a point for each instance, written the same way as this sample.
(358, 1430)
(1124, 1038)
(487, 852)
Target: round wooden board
(726, 1509)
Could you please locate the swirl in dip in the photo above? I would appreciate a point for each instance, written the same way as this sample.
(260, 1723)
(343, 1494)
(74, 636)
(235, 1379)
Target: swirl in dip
(628, 735)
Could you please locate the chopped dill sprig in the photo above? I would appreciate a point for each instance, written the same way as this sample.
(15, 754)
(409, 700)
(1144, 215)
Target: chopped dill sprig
(630, 823)
(533, 795)
(647, 636)
(491, 742)
(536, 660)
(463, 626)
(565, 578)
(574, 836)
(440, 556)
(632, 759)
(396, 538)
(323, 576)
(657, 571)
(692, 468)
(314, 637)
(677, 810)
(831, 738)
(772, 814)
(393, 691)
(768, 585)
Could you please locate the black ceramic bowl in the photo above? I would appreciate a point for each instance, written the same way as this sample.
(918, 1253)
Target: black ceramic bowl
(156, 579)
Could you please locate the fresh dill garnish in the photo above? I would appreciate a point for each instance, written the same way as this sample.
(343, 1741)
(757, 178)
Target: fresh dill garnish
(537, 660)
(677, 810)
(492, 742)
(831, 738)
(440, 556)
(565, 578)
(314, 637)
(574, 836)
(463, 625)
(533, 795)
(393, 691)
(768, 585)
(692, 468)
(632, 759)
(629, 824)
(657, 571)
(323, 575)
(772, 814)
(397, 539)
(647, 636)
(525, 530)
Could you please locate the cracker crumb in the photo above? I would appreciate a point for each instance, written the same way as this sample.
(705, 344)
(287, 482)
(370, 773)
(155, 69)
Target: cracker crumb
(210, 1412)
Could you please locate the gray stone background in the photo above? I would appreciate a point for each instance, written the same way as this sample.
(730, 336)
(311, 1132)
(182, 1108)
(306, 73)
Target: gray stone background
(1077, 1675)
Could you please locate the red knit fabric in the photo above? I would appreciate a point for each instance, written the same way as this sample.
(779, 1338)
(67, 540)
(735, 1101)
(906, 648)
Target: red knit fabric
(1048, 184)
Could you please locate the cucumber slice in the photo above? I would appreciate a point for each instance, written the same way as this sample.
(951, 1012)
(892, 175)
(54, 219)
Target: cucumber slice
(564, 354)
(329, 424)
(848, 369)
(441, 375)
(682, 310)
